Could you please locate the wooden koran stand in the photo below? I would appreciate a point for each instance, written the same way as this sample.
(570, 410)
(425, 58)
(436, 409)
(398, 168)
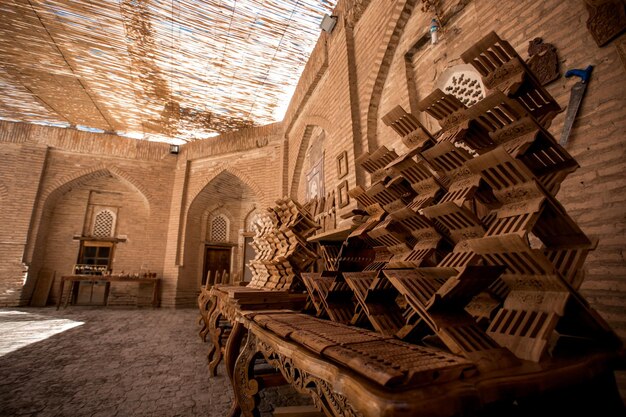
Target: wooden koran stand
(457, 296)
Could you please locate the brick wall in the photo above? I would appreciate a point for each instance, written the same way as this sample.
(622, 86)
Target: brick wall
(21, 166)
(331, 107)
(49, 175)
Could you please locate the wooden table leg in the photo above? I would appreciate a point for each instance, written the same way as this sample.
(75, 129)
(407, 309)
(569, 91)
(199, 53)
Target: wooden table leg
(205, 309)
(209, 314)
(215, 331)
(107, 289)
(231, 353)
(245, 386)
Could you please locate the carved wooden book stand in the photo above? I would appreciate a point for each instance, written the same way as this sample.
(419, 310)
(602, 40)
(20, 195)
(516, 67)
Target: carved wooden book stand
(502, 69)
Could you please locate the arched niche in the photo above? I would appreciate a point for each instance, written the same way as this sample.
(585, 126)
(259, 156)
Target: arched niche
(87, 209)
(224, 197)
(312, 177)
(252, 220)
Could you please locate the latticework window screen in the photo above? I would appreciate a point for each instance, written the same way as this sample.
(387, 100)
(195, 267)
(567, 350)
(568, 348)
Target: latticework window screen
(219, 229)
(103, 224)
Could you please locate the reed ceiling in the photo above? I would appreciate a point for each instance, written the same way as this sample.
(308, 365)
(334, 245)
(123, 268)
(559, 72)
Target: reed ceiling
(172, 70)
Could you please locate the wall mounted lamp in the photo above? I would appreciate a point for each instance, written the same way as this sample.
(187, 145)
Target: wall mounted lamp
(328, 23)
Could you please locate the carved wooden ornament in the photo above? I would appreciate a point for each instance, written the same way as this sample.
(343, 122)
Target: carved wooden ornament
(607, 19)
(543, 61)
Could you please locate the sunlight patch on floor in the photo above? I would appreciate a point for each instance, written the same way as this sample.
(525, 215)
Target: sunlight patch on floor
(19, 329)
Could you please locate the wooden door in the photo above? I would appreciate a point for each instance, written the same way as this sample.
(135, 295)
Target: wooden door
(216, 258)
(248, 254)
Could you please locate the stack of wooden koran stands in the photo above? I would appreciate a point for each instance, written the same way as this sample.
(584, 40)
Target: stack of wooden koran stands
(459, 294)
(282, 251)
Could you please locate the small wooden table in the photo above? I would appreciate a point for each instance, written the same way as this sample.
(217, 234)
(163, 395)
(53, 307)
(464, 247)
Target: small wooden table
(156, 286)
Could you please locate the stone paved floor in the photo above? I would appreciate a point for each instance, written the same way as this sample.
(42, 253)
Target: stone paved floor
(106, 362)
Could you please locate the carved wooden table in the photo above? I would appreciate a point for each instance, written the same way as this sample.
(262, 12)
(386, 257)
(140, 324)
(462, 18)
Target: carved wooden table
(354, 372)
(225, 301)
(73, 279)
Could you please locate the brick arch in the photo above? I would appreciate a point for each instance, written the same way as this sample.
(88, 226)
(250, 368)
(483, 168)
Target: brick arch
(143, 190)
(320, 121)
(297, 170)
(62, 185)
(310, 123)
(195, 192)
(248, 216)
(195, 209)
(402, 11)
(220, 211)
(244, 178)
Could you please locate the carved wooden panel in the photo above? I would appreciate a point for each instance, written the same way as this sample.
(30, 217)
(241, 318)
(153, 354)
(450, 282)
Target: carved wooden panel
(463, 82)
(413, 134)
(543, 61)
(607, 19)
(377, 298)
(375, 162)
(386, 361)
(282, 250)
(466, 246)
